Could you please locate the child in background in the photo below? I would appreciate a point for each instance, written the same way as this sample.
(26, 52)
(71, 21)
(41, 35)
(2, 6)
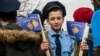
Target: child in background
(84, 14)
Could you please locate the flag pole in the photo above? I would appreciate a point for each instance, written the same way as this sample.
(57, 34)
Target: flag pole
(85, 35)
(43, 36)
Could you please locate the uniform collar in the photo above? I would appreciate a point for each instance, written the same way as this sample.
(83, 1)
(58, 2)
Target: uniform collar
(51, 32)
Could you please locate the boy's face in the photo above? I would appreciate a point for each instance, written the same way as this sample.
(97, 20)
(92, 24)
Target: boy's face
(55, 19)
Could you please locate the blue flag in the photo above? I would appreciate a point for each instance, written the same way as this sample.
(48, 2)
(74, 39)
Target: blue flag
(76, 29)
(31, 23)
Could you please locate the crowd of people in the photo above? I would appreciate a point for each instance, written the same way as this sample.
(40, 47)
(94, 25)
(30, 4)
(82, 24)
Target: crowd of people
(14, 41)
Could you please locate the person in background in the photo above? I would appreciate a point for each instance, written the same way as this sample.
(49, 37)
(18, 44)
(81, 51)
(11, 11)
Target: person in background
(13, 40)
(7, 14)
(84, 14)
(96, 4)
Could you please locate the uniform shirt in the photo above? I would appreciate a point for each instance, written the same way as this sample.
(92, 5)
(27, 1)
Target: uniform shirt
(67, 43)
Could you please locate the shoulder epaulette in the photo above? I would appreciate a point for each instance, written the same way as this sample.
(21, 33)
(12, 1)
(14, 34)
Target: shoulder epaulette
(66, 33)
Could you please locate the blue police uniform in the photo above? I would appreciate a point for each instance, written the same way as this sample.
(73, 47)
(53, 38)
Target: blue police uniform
(67, 43)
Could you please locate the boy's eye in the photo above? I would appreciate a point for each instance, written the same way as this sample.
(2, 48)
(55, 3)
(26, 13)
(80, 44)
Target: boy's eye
(58, 18)
(52, 18)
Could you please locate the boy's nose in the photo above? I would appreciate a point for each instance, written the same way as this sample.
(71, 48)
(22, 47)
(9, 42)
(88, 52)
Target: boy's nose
(56, 21)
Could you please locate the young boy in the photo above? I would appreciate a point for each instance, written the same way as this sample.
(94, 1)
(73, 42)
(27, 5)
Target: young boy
(60, 43)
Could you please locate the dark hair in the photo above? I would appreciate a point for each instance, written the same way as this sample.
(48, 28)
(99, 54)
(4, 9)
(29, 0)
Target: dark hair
(95, 0)
(96, 4)
(8, 16)
(54, 9)
(98, 0)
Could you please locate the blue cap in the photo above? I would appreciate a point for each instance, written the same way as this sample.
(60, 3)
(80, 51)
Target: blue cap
(51, 5)
(9, 5)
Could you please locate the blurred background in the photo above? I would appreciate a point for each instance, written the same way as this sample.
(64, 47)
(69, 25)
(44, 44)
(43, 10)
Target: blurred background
(70, 5)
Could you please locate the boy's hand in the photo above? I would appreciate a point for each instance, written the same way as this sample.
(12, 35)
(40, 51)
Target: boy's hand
(83, 46)
(44, 45)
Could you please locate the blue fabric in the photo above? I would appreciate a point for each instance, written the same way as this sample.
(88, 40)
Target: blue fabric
(67, 43)
(90, 44)
(9, 5)
(58, 44)
(96, 28)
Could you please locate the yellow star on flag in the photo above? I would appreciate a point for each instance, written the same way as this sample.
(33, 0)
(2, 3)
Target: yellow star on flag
(35, 23)
(75, 30)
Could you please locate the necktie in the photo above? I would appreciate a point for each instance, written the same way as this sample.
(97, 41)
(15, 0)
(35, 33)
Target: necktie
(58, 45)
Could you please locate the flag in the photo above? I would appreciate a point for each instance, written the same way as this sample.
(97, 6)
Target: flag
(30, 23)
(77, 29)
